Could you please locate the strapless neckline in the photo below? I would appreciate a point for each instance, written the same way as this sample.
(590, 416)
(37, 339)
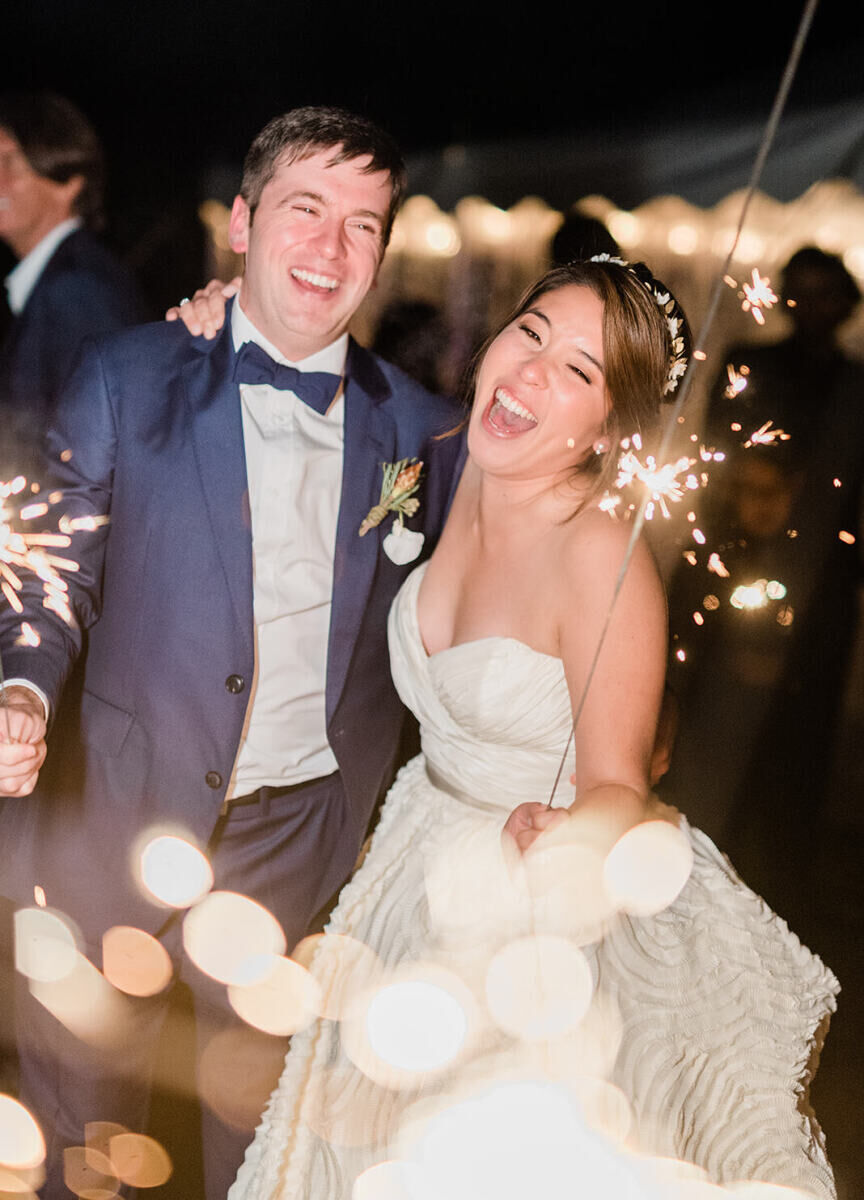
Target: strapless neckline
(416, 579)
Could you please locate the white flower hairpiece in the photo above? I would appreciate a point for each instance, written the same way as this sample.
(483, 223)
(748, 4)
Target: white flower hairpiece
(672, 315)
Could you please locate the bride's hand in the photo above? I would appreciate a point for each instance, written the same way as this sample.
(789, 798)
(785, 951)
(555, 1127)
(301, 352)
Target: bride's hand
(205, 312)
(528, 821)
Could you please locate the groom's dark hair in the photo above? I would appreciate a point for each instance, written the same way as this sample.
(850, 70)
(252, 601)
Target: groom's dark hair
(306, 131)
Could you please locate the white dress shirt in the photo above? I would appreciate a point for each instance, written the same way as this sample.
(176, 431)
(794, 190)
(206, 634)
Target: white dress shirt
(22, 279)
(294, 472)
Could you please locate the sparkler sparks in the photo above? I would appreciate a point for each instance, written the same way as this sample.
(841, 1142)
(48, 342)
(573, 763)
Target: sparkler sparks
(766, 436)
(662, 482)
(755, 295)
(21, 551)
(737, 381)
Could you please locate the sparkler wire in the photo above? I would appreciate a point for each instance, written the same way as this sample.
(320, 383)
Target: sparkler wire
(698, 354)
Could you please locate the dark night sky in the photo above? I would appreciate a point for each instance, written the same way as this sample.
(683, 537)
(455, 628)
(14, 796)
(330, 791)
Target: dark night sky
(173, 85)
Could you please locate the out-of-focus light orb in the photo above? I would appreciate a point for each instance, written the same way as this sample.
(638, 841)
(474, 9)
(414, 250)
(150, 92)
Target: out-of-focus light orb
(775, 590)
(135, 962)
(282, 1001)
(175, 872)
(757, 1190)
(648, 866)
(89, 1174)
(416, 1025)
(19, 1184)
(343, 967)
(45, 945)
(605, 1108)
(845, 536)
(347, 1108)
(710, 602)
(495, 223)
(785, 615)
(139, 1161)
(226, 933)
(750, 248)
(625, 227)
(853, 259)
(21, 1141)
(749, 595)
(682, 239)
(442, 238)
(521, 1139)
(390, 1181)
(539, 987)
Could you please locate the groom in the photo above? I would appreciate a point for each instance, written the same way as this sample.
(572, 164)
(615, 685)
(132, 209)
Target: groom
(233, 684)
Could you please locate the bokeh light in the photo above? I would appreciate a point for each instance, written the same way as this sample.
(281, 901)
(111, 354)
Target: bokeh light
(518, 1139)
(416, 1023)
(174, 871)
(135, 962)
(139, 1161)
(283, 1000)
(647, 867)
(390, 1181)
(87, 1004)
(226, 934)
(539, 987)
(347, 1108)
(343, 967)
(45, 944)
(89, 1174)
(21, 1141)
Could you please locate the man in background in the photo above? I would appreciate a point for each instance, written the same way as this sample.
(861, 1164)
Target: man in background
(66, 286)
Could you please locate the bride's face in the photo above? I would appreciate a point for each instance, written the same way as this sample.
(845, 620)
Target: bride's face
(540, 401)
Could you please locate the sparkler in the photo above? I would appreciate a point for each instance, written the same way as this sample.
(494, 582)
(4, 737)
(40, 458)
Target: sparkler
(755, 296)
(737, 381)
(766, 436)
(21, 551)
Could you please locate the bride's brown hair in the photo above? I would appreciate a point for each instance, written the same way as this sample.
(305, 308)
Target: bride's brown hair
(637, 350)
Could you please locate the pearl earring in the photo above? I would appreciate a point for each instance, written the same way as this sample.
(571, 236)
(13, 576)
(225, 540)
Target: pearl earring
(601, 446)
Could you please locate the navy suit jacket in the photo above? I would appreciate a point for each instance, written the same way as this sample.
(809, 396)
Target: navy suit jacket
(153, 422)
(82, 292)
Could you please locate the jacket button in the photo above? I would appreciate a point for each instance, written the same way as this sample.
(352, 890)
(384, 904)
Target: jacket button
(235, 684)
(213, 779)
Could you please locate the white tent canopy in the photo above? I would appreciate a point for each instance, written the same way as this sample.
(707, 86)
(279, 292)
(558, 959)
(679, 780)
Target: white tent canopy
(701, 159)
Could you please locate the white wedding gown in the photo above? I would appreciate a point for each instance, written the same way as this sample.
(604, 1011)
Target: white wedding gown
(707, 1017)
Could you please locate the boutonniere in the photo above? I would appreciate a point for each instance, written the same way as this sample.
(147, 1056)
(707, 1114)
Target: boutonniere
(401, 480)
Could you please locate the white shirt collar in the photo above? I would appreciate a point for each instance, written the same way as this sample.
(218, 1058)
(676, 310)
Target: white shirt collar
(331, 358)
(21, 281)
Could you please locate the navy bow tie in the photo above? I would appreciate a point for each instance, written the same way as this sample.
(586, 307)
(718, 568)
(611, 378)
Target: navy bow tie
(315, 388)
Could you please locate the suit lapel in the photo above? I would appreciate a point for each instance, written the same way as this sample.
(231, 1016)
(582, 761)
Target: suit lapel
(370, 440)
(217, 435)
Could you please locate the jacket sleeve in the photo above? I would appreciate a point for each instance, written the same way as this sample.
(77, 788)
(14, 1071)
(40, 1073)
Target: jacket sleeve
(77, 482)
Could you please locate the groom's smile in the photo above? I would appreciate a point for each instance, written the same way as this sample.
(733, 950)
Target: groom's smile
(313, 245)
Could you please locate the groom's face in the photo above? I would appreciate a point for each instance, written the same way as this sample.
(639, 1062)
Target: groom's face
(313, 246)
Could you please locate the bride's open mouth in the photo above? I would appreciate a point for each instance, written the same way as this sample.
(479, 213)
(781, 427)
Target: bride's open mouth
(507, 416)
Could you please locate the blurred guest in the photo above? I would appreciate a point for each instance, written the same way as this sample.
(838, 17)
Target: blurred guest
(767, 679)
(67, 285)
(412, 335)
(580, 236)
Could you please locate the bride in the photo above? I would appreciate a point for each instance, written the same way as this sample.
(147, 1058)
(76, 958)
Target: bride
(469, 977)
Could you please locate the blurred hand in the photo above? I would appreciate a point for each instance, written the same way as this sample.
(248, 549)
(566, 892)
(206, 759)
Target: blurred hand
(22, 741)
(527, 821)
(205, 312)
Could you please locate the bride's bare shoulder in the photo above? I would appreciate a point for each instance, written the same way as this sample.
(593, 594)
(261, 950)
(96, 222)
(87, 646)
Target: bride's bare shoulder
(596, 544)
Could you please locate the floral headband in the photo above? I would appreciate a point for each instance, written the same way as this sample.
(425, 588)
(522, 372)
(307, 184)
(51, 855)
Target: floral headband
(673, 315)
